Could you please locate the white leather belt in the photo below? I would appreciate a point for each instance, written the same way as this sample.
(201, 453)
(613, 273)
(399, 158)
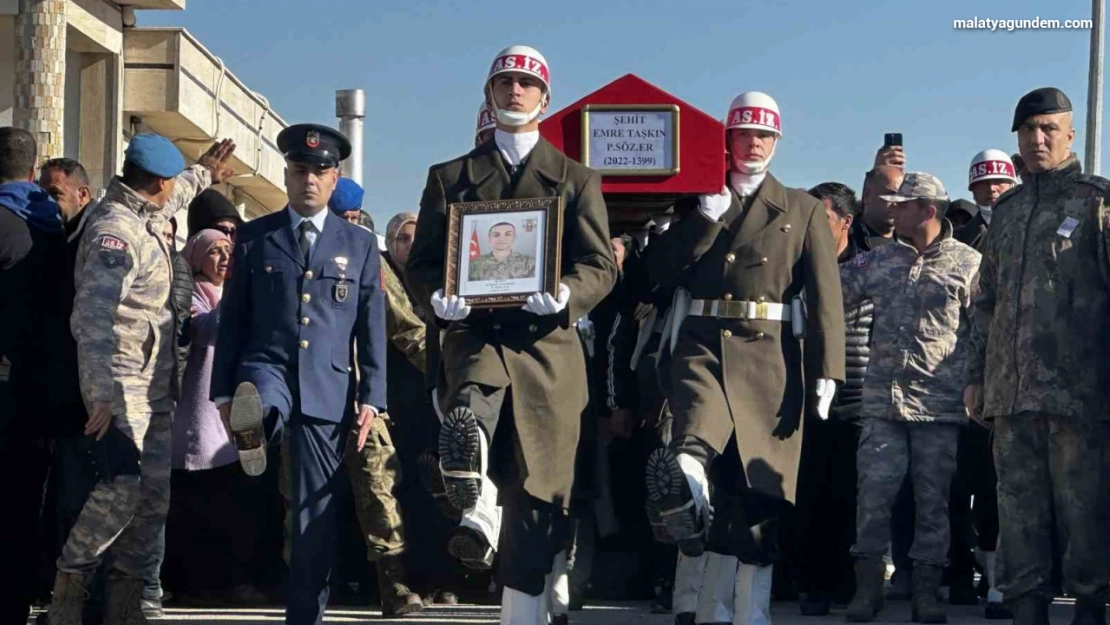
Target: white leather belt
(736, 309)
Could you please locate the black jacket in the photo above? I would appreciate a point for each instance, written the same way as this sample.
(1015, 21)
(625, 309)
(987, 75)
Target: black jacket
(615, 330)
(858, 323)
(29, 314)
(973, 233)
(181, 300)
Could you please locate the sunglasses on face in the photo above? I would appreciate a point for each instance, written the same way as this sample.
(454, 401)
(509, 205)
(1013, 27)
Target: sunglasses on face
(228, 230)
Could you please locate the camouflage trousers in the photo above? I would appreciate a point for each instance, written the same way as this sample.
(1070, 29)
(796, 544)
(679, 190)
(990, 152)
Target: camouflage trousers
(887, 451)
(126, 511)
(375, 473)
(1049, 463)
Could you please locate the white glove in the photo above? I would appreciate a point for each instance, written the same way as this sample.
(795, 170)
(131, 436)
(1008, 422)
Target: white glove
(713, 206)
(826, 390)
(544, 304)
(450, 308)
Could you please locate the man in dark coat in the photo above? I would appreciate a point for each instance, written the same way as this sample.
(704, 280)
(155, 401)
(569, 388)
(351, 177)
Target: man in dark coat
(31, 238)
(744, 260)
(827, 482)
(522, 368)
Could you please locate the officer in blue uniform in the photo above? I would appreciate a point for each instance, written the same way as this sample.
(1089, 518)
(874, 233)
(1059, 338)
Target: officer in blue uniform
(305, 286)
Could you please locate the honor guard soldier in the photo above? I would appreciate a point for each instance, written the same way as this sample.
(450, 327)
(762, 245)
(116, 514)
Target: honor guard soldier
(306, 283)
(123, 322)
(745, 260)
(521, 368)
(1039, 365)
(991, 174)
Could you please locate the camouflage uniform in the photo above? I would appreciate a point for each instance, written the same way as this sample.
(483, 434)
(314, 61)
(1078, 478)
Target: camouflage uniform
(125, 338)
(1040, 349)
(913, 391)
(375, 472)
(514, 267)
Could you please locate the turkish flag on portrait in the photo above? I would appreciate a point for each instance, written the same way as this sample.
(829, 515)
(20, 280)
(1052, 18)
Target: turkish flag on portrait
(475, 248)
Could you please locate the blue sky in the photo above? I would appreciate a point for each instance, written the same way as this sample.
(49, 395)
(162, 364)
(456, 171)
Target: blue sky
(843, 73)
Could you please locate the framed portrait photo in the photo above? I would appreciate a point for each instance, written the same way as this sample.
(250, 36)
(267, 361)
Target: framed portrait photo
(500, 252)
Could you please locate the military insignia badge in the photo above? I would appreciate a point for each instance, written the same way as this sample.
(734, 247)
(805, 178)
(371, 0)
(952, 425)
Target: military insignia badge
(529, 225)
(1068, 227)
(341, 263)
(109, 242)
(312, 139)
(341, 292)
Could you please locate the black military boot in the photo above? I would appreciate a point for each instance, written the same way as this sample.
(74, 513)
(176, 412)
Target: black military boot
(926, 581)
(460, 457)
(1089, 611)
(867, 603)
(1030, 609)
(125, 602)
(68, 600)
(397, 599)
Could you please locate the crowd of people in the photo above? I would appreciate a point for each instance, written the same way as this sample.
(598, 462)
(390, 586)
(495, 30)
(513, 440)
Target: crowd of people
(760, 392)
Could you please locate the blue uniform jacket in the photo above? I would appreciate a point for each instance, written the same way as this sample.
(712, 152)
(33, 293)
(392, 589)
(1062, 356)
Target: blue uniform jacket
(288, 328)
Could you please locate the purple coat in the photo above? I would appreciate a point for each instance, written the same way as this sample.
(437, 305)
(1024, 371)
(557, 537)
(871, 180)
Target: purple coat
(199, 438)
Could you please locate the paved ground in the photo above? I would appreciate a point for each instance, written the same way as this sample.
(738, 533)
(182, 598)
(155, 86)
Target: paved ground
(610, 614)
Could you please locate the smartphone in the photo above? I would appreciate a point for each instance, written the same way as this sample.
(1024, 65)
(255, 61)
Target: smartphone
(892, 139)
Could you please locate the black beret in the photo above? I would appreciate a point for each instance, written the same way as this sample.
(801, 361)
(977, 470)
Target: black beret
(208, 207)
(313, 143)
(1043, 101)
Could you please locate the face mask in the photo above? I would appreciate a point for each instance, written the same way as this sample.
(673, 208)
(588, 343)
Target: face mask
(755, 167)
(516, 119)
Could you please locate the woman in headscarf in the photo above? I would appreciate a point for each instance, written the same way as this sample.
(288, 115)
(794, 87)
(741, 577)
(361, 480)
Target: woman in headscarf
(210, 496)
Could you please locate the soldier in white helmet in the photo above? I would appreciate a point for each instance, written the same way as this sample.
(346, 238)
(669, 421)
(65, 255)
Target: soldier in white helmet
(515, 377)
(486, 125)
(745, 262)
(992, 173)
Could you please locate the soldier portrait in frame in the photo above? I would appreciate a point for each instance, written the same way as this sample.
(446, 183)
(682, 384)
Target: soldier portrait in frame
(500, 252)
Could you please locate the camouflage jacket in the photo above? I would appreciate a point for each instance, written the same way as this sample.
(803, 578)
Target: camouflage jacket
(514, 267)
(122, 319)
(916, 370)
(1041, 329)
(403, 327)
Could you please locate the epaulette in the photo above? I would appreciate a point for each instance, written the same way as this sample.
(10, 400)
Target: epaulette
(1100, 183)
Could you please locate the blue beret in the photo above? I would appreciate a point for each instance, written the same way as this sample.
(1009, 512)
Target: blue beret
(346, 197)
(155, 155)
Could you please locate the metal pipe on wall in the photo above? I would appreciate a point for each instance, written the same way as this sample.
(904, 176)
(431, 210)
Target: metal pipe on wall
(350, 108)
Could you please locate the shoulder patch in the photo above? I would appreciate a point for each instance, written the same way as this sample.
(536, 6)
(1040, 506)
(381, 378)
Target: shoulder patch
(109, 242)
(861, 260)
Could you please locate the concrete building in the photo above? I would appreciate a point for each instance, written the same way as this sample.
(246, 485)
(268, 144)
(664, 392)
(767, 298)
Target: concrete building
(83, 78)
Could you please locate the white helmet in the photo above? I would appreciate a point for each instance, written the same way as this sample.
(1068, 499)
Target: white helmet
(485, 120)
(757, 110)
(525, 60)
(754, 109)
(991, 165)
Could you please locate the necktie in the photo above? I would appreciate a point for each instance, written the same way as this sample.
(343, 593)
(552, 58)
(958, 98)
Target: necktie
(306, 245)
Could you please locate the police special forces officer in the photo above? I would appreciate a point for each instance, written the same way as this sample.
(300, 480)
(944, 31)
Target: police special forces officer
(1039, 365)
(123, 323)
(306, 283)
(522, 367)
(745, 259)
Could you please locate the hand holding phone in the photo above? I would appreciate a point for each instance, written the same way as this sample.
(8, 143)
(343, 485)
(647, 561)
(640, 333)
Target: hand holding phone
(892, 153)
